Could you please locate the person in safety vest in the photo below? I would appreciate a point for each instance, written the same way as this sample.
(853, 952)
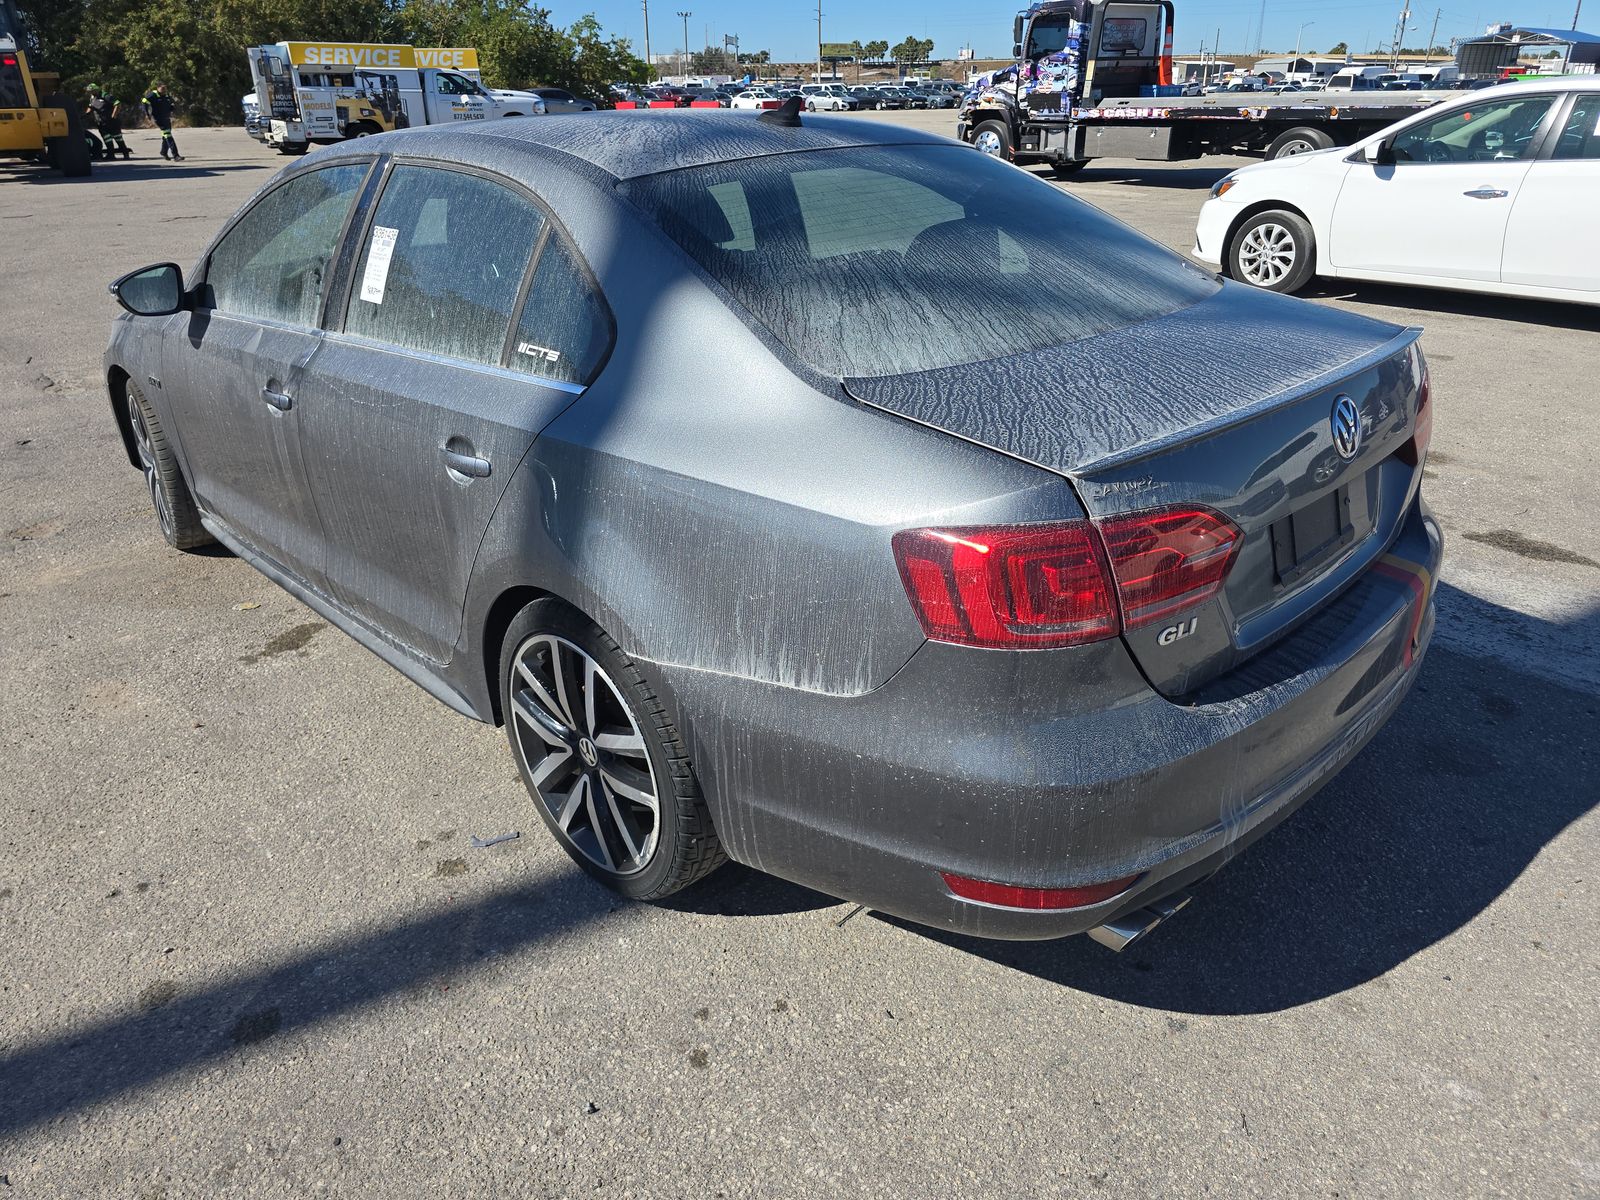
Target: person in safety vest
(106, 113)
(158, 105)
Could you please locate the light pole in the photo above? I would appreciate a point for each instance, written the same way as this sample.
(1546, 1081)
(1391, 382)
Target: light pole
(647, 67)
(819, 42)
(1304, 25)
(686, 16)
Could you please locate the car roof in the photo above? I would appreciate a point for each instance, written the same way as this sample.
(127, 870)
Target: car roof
(626, 145)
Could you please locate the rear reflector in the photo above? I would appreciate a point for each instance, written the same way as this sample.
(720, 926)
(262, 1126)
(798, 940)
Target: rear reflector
(1009, 587)
(1005, 895)
(1167, 559)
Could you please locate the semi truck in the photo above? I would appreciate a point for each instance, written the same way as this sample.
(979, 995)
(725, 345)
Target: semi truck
(308, 92)
(1093, 79)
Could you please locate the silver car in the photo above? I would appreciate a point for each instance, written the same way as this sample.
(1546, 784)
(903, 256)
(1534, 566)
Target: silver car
(814, 493)
(556, 100)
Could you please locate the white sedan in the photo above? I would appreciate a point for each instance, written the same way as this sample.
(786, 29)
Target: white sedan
(756, 98)
(1497, 191)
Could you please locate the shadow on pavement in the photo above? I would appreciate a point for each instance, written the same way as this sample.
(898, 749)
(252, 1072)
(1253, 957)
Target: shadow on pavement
(132, 168)
(739, 891)
(171, 1030)
(1478, 771)
(1158, 176)
(1548, 313)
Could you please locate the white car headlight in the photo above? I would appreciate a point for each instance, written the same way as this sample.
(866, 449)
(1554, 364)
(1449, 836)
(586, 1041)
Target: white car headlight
(1223, 185)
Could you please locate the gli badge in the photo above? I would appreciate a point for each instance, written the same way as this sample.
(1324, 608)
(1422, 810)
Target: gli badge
(1173, 633)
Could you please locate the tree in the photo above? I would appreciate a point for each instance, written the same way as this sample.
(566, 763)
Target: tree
(874, 51)
(1341, 48)
(912, 50)
(759, 57)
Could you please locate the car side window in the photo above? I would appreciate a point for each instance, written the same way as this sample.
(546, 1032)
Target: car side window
(565, 330)
(1580, 138)
(442, 264)
(273, 263)
(1494, 130)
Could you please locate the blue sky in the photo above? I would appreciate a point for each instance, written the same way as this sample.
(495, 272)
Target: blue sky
(790, 32)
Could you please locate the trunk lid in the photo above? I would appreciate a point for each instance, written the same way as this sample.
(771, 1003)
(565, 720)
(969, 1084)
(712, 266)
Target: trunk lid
(1229, 404)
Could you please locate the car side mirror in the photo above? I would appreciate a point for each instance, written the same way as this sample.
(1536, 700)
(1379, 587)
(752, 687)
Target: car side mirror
(152, 291)
(1016, 31)
(1380, 153)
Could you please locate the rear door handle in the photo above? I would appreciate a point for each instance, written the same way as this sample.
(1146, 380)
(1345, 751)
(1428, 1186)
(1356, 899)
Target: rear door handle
(1487, 193)
(281, 401)
(465, 464)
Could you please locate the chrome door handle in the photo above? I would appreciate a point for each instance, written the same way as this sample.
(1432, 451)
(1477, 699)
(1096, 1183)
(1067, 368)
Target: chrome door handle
(281, 401)
(1487, 193)
(465, 464)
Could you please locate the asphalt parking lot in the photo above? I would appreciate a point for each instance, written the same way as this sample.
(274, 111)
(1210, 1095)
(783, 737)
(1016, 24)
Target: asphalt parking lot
(247, 946)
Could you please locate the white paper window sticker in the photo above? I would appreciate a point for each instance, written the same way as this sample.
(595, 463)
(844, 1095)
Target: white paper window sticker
(377, 273)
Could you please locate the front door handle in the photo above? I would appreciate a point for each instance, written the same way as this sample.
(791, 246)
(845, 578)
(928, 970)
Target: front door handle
(1487, 193)
(281, 401)
(465, 464)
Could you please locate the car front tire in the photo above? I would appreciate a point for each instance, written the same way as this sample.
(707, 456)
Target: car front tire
(1274, 250)
(176, 513)
(600, 757)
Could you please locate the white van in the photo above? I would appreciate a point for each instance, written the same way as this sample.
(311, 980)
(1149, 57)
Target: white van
(327, 91)
(1355, 79)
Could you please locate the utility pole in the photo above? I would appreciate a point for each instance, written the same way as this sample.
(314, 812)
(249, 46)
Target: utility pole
(647, 66)
(819, 41)
(1261, 28)
(1434, 32)
(686, 16)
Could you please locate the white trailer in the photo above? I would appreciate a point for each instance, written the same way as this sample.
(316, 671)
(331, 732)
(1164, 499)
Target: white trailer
(310, 92)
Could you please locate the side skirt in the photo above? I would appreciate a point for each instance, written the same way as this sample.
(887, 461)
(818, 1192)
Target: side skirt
(427, 680)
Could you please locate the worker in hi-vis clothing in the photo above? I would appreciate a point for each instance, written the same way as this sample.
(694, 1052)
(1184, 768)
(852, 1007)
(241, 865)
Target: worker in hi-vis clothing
(106, 112)
(158, 104)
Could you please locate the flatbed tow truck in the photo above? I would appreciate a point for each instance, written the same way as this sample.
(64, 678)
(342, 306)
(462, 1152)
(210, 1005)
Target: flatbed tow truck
(1093, 79)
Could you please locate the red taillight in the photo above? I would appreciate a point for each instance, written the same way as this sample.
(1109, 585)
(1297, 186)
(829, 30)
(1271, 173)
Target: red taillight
(1423, 434)
(1167, 559)
(1005, 895)
(1009, 587)
(1018, 587)
(8, 61)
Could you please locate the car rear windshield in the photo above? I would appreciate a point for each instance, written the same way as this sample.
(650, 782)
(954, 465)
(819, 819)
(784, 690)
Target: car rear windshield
(886, 260)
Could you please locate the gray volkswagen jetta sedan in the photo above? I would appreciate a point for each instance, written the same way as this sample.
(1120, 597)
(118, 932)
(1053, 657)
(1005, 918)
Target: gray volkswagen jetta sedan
(812, 493)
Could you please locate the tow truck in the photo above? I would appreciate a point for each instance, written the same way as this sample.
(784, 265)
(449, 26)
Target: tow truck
(1093, 79)
(326, 91)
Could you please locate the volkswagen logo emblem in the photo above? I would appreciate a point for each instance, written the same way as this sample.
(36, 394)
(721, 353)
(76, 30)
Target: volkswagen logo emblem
(1346, 425)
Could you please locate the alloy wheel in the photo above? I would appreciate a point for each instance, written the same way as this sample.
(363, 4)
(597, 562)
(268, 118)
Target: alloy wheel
(584, 754)
(147, 465)
(1267, 254)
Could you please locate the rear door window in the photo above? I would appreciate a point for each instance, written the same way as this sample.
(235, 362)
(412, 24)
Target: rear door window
(273, 263)
(565, 331)
(443, 264)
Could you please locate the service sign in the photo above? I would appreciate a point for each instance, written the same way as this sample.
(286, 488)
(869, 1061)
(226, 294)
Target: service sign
(449, 58)
(361, 55)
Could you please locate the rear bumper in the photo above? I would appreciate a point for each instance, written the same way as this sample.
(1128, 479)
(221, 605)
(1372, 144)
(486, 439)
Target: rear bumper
(1051, 769)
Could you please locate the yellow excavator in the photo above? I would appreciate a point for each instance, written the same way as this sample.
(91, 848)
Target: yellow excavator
(37, 122)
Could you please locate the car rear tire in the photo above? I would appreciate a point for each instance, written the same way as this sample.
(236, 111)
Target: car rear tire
(1274, 250)
(992, 138)
(176, 513)
(1302, 140)
(600, 758)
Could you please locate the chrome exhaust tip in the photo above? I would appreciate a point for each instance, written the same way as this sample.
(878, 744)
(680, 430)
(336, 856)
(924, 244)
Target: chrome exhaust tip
(1121, 933)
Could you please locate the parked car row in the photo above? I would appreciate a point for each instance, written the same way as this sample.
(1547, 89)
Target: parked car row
(817, 97)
